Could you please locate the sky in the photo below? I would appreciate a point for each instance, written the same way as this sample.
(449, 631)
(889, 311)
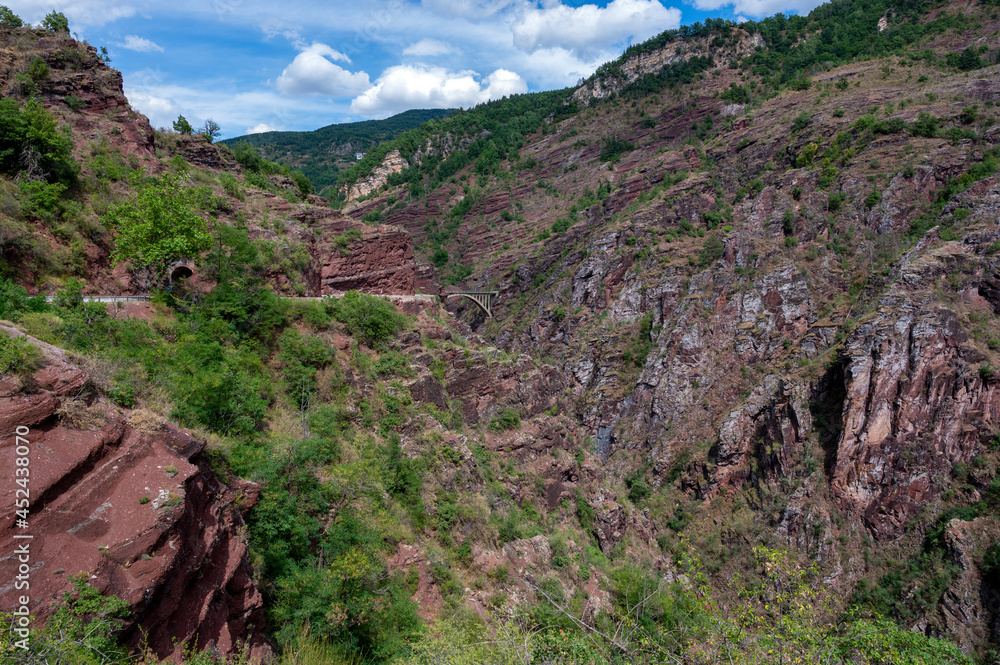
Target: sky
(260, 65)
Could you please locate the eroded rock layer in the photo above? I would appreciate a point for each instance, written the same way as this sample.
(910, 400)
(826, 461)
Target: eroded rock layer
(131, 504)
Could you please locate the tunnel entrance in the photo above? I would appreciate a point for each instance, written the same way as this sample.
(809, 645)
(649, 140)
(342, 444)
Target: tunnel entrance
(179, 273)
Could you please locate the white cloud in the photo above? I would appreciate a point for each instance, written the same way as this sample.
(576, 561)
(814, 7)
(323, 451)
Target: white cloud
(235, 111)
(415, 86)
(428, 47)
(260, 128)
(160, 110)
(136, 43)
(274, 27)
(586, 29)
(760, 8)
(313, 73)
(466, 8)
(81, 13)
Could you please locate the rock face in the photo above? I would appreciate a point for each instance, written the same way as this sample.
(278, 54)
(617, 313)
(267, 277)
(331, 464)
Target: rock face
(375, 259)
(133, 505)
(916, 400)
(393, 163)
(650, 62)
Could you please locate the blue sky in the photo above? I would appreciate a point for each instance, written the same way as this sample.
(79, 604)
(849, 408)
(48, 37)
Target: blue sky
(255, 65)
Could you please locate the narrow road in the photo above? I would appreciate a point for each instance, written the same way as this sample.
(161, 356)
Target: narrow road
(419, 297)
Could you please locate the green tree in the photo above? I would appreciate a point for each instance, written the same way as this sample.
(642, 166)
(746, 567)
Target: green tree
(31, 142)
(182, 126)
(56, 22)
(968, 60)
(157, 225)
(9, 19)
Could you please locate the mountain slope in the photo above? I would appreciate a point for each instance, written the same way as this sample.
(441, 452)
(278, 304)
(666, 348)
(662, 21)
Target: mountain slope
(740, 396)
(743, 250)
(322, 154)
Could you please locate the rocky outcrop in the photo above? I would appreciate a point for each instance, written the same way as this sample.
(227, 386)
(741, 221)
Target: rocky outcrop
(200, 151)
(132, 504)
(649, 62)
(971, 605)
(78, 77)
(374, 259)
(916, 400)
(760, 439)
(393, 163)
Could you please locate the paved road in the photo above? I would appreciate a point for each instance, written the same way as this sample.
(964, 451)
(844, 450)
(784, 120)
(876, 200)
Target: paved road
(420, 297)
(107, 298)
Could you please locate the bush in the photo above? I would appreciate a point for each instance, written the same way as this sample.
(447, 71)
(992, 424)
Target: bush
(9, 19)
(32, 131)
(711, 251)
(801, 121)
(15, 301)
(17, 355)
(55, 22)
(74, 102)
(507, 418)
(800, 83)
(374, 321)
(926, 125)
(157, 225)
(613, 149)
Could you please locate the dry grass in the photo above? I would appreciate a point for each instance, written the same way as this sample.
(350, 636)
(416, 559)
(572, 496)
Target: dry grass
(75, 413)
(146, 421)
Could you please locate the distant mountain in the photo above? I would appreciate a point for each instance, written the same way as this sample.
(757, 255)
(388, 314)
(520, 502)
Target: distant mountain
(324, 153)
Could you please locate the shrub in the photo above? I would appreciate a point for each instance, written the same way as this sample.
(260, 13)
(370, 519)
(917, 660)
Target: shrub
(231, 186)
(374, 321)
(55, 22)
(507, 418)
(800, 83)
(926, 125)
(440, 257)
(15, 301)
(32, 131)
(613, 149)
(711, 251)
(9, 19)
(18, 355)
(74, 102)
(638, 488)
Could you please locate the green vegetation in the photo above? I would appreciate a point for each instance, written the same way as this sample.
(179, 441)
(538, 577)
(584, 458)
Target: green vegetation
(322, 154)
(614, 148)
(9, 19)
(30, 130)
(497, 130)
(157, 225)
(55, 22)
(257, 169)
(507, 418)
(17, 355)
(182, 126)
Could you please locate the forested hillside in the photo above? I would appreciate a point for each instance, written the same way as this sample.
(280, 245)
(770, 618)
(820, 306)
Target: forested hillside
(739, 401)
(324, 153)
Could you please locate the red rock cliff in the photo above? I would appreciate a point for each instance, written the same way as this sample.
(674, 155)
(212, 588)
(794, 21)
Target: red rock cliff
(131, 503)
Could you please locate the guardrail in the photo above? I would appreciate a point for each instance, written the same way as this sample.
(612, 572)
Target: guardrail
(107, 298)
(416, 297)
